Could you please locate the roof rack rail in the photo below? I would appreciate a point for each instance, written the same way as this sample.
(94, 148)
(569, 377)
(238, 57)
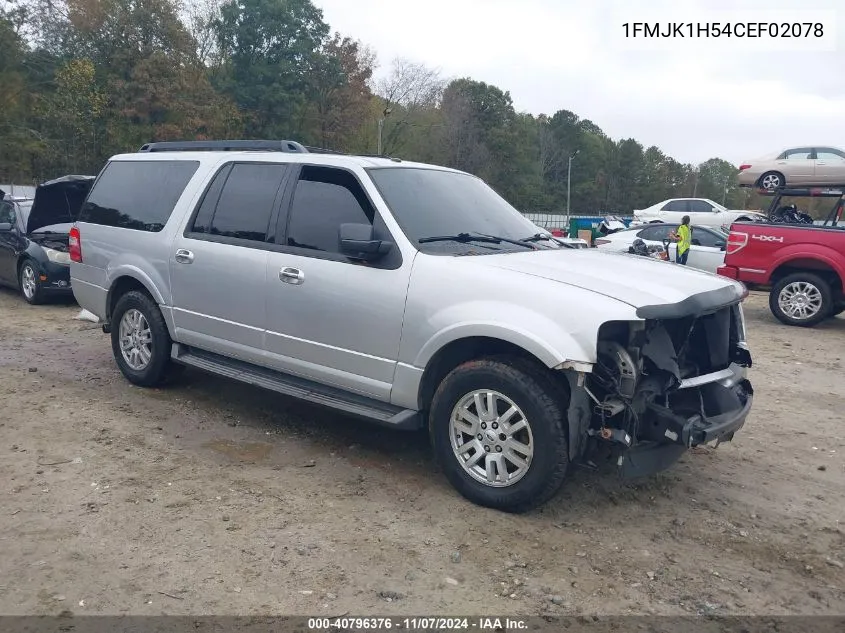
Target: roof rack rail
(323, 150)
(291, 147)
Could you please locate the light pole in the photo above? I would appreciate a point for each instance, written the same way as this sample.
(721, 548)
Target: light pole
(384, 115)
(568, 182)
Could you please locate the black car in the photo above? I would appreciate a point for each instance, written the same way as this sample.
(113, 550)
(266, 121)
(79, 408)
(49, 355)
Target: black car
(34, 237)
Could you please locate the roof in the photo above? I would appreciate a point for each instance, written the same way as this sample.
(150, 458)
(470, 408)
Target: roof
(277, 151)
(338, 160)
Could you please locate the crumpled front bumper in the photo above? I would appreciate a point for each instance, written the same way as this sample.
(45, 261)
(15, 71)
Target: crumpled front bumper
(705, 409)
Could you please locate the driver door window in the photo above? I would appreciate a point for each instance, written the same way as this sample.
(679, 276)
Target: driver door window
(324, 199)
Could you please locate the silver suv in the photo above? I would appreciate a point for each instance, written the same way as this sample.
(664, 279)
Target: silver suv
(414, 296)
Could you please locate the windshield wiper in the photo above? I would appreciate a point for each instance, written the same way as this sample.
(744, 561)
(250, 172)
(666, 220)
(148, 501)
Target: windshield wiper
(538, 237)
(473, 237)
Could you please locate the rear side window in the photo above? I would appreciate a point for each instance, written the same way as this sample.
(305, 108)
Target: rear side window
(681, 206)
(657, 233)
(137, 195)
(246, 203)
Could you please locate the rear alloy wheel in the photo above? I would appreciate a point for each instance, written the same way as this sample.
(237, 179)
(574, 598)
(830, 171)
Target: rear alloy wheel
(499, 432)
(140, 340)
(772, 180)
(28, 278)
(802, 299)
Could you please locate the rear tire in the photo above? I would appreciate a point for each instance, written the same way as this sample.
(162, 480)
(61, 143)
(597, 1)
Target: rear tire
(475, 446)
(772, 180)
(140, 340)
(801, 299)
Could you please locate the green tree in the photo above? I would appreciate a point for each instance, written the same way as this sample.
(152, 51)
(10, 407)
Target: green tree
(269, 49)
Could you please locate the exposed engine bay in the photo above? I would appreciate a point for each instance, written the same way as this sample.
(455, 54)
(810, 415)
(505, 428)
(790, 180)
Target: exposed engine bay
(55, 241)
(671, 383)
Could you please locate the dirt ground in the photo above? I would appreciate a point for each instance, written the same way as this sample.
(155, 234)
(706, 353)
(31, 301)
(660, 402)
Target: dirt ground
(215, 498)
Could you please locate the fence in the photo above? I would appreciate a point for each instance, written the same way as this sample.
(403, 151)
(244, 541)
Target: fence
(553, 221)
(18, 191)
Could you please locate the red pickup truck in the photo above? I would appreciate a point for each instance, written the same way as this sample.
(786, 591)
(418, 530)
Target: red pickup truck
(803, 265)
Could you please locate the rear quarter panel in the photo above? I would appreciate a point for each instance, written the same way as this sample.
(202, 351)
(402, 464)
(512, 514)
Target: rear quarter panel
(109, 252)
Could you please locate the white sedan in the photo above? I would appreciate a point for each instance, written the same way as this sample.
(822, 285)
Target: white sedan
(706, 253)
(702, 212)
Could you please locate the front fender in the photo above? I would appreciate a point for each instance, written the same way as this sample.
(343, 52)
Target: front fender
(529, 330)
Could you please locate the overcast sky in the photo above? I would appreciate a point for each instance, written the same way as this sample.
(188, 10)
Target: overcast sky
(695, 99)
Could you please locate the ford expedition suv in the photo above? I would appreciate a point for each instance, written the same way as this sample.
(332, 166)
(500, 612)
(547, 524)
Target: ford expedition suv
(416, 297)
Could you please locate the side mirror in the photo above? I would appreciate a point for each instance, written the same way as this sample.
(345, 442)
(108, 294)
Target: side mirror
(721, 245)
(357, 241)
(5, 226)
(696, 242)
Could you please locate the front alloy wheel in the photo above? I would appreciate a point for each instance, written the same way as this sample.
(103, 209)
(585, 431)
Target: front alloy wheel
(30, 286)
(491, 438)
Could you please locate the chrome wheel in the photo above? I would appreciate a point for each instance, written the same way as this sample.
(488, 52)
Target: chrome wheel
(491, 438)
(771, 181)
(29, 284)
(800, 300)
(135, 340)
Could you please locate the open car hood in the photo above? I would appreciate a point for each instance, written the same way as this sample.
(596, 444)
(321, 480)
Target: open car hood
(58, 201)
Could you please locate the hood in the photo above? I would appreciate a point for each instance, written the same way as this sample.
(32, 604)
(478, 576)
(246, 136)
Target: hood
(657, 289)
(58, 201)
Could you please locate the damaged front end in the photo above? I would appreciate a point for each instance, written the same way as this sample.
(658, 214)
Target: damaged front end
(664, 385)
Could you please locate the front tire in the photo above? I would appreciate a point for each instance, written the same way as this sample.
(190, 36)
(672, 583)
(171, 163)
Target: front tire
(499, 431)
(801, 299)
(28, 280)
(140, 340)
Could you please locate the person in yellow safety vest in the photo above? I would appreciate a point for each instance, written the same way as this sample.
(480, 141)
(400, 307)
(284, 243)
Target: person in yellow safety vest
(684, 239)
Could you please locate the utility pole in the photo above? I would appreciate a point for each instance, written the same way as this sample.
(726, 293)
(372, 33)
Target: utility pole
(568, 183)
(385, 113)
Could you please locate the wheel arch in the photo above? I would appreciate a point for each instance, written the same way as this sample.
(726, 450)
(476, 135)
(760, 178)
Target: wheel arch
(127, 281)
(462, 350)
(815, 265)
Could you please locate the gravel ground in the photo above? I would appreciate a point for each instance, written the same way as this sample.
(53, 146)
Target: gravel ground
(216, 498)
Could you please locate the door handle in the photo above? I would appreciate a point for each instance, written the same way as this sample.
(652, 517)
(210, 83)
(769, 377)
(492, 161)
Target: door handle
(184, 256)
(292, 276)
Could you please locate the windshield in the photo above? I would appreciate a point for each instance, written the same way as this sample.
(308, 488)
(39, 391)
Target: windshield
(433, 203)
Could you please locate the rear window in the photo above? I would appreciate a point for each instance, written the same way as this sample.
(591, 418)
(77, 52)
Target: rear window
(137, 195)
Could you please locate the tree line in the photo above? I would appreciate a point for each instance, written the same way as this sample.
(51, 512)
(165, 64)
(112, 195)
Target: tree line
(81, 80)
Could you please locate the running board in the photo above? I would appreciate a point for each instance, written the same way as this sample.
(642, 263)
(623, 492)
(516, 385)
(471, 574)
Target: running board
(373, 410)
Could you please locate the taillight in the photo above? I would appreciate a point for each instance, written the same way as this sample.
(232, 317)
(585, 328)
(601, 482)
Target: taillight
(74, 245)
(744, 167)
(736, 242)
